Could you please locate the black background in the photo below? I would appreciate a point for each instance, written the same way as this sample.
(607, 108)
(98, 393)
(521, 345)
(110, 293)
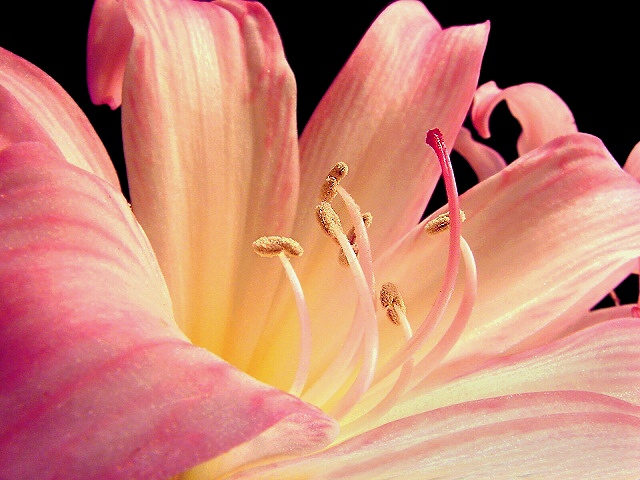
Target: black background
(587, 55)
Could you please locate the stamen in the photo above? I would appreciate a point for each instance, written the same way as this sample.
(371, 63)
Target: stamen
(274, 245)
(370, 340)
(361, 221)
(329, 220)
(384, 405)
(392, 301)
(329, 188)
(435, 141)
(346, 360)
(430, 361)
(367, 218)
(441, 223)
(330, 223)
(390, 298)
(281, 247)
(364, 330)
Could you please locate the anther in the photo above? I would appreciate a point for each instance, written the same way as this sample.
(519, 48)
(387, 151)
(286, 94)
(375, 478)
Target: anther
(329, 220)
(391, 299)
(329, 188)
(274, 245)
(367, 218)
(441, 223)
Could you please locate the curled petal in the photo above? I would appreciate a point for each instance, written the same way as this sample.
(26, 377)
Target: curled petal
(542, 114)
(35, 108)
(96, 380)
(484, 160)
(551, 435)
(108, 44)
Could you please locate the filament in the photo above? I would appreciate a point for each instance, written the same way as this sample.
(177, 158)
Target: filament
(430, 361)
(281, 247)
(370, 339)
(304, 362)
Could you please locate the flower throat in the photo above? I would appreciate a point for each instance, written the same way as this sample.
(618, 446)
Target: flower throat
(357, 360)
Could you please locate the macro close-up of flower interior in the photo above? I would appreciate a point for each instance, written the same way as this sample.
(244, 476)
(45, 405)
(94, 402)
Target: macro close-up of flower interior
(363, 288)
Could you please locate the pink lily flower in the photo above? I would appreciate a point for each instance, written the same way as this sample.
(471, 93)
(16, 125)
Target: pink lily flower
(160, 344)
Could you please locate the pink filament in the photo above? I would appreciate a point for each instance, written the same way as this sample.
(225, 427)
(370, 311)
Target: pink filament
(370, 327)
(362, 237)
(430, 361)
(435, 141)
(304, 362)
(389, 400)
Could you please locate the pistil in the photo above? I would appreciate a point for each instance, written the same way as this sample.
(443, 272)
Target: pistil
(435, 141)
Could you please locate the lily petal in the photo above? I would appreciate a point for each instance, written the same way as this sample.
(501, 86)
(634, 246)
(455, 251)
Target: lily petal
(542, 114)
(35, 108)
(554, 435)
(211, 144)
(602, 359)
(407, 75)
(552, 234)
(97, 381)
(108, 44)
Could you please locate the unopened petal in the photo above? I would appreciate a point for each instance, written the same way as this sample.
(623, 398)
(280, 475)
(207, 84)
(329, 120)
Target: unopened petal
(96, 380)
(35, 108)
(108, 44)
(551, 435)
(542, 114)
(211, 144)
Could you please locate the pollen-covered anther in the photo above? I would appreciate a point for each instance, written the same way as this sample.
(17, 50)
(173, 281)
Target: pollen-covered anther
(441, 223)
(329, 188)
(329, 220)
(367, 218)
(342, 257)
(392, 301)
(274, 245)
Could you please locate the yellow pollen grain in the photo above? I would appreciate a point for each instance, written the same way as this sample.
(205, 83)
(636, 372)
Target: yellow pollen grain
(342, 257)
(274, 245)
(329, 188)
(367, 218)
(329, 220)
(441, 223)
(391, 299)
(339, 171)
